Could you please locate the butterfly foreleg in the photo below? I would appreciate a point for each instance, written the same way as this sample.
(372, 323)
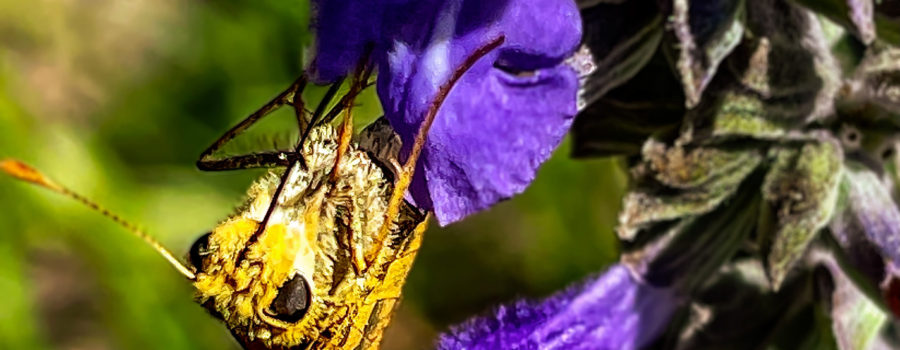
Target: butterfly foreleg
(292, 97)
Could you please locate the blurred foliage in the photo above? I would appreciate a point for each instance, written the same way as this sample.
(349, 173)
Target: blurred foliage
(117, 98)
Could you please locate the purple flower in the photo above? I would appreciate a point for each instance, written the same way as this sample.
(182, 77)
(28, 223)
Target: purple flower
(872, 211)
(345, 28)
(610, 311)
(502, 119)
(866, 226)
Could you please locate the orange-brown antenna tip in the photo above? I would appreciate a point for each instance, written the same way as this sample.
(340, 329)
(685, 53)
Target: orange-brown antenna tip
(25, 172)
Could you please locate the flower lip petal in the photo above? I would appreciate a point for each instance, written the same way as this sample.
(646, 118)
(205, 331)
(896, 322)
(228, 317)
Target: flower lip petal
(503, 118)
(520, 68)
(514, 71)
(526, 78)
(525, 59)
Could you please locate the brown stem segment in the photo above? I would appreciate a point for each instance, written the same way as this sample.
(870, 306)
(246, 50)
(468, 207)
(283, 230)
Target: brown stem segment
(409, 167)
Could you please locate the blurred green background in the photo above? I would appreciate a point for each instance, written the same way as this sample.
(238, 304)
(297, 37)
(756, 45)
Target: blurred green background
(117, 98)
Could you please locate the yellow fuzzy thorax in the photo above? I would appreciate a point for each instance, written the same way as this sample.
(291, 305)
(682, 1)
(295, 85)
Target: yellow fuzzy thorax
(243, 292)
(320, 229)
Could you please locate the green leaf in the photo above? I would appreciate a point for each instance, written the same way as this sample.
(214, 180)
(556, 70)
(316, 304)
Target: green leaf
(780, 79)
(679, 182)
(859, 258)
(801, 187)
(876, 81)
(857, 16)
(686, 253)
(856, 320)
(706, 32)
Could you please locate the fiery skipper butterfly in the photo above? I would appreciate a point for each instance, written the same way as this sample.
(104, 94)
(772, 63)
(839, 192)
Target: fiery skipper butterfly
(317, 257)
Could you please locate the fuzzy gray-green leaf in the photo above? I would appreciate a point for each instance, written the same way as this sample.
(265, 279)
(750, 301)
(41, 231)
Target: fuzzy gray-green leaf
(857, 16)
(781, 78)
(801, 188)
(802, 74)
(706, 32)
(877, 80)
(858, 252)
(686, 253)
(856, 320)
(680, 183)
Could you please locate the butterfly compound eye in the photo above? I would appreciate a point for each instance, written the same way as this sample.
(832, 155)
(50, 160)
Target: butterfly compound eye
(199, 250)
(292, 301)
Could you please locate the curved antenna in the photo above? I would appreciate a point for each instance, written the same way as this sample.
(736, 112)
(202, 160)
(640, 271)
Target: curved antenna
(26, 173)
(360, 81)
(409, 167)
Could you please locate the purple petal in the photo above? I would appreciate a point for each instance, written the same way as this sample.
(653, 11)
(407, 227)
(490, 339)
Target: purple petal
(343, 28)
(870, 202)
(611, 311)
(506, 114)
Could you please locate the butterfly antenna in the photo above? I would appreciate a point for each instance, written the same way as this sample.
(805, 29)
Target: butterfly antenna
(409, 167)
(26, 173)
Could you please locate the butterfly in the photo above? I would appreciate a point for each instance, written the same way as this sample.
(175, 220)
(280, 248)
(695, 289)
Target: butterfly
(318, 255)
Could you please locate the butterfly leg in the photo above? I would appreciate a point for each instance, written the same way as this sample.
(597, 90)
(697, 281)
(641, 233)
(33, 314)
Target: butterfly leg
(291, 96)
(315, 120)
